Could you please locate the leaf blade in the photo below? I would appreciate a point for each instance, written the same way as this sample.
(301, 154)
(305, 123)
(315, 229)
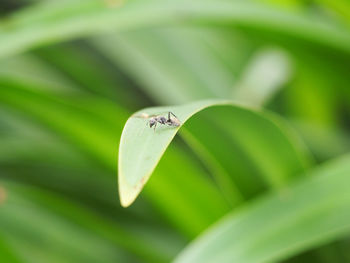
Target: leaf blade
(141, 148)
(312, 211)
(130, 187)
(90, 17)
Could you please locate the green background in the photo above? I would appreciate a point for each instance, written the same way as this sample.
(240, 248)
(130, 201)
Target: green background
(236, 185)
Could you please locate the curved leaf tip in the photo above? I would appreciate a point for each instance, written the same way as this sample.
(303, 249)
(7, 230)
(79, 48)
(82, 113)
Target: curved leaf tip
(142, 147)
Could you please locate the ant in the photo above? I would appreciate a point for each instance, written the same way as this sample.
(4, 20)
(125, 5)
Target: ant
(162, 120)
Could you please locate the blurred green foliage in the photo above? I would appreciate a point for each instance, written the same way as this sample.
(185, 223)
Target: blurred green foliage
(73, 71)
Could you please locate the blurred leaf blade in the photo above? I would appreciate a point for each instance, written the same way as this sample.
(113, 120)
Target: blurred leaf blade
(45, 106)
(7, 253)
(178, 194)
(68, 216)
(264, 152)
(101, 123)
(31, 68)
(63, 107)
(310, 212)
(166, 79)
(88, 17)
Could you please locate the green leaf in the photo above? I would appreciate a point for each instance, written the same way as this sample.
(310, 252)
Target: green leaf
(175, 186)
(57, 21)
(98, 116)
(266, 73)
(177, 64)
(324, 142)
(310, 212)
(141, 148)
(28, 67)
(84, 67)
(93, 127)
(45, 219)
(246, 151)
(74, 177)
(341, 7)
(7, 254)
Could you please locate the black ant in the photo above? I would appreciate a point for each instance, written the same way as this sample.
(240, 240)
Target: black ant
(165, 121)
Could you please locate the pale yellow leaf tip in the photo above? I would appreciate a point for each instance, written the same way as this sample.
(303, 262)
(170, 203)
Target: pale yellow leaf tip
(127, 193)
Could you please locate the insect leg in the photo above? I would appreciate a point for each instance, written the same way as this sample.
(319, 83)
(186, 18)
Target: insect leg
(169, 120)
(172, 114)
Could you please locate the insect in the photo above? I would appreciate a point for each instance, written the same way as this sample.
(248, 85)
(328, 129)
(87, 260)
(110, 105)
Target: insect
(172, 120)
